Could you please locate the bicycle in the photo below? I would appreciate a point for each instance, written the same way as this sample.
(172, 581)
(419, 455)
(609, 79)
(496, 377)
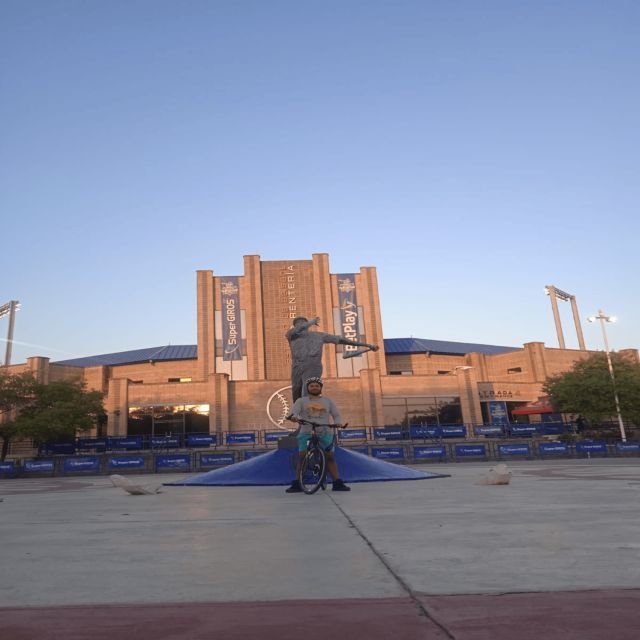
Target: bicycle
(313, 467)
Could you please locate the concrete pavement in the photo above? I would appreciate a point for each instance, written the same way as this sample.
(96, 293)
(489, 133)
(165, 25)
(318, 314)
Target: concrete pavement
(554, 554)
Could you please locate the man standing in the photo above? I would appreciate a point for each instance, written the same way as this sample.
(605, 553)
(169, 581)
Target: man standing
(306, 352)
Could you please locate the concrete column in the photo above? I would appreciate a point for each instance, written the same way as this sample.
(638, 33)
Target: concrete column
(251, 302)
(206, 324)
(479, 362)
(324, 308)
(469, 397)
(576, 320)
(370, 301)
(536, 357)
(556, 315)
(218, 402)
(371, 388)
(117, 407)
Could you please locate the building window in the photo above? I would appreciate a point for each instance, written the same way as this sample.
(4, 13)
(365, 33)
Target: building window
(400, 373)
(515, 370)
(159, 420)
(179, 380)
(421, 411)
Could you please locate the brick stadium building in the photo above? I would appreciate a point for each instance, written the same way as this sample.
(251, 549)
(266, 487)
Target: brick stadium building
(237, 377)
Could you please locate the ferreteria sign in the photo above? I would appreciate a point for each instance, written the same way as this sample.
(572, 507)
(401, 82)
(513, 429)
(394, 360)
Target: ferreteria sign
(231, 324)
(348, 301)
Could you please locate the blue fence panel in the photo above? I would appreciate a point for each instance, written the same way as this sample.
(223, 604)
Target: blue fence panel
(247, 437)
(39, 466)
(470, 450)
(454, 431)
(553, 449)
(126, 462)
(165, 442)
(92, 444)
(8, 468)
(488, 430)
(388, 453)
(424, 432)
(128, 443)
(553, 428)
(59, 448)
(173, 461)
(387, 433)
(591, 447)
(514, 450)
(274, 436)
(352, 434)
(217, 459)
(83, 463)
(204, 440)
(363, 450)
(522, 429)
(627, 447)
(253, 453)
(430, 452)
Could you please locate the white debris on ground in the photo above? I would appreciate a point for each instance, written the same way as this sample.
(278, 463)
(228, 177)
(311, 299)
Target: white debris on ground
(499, 474)
(134, 489)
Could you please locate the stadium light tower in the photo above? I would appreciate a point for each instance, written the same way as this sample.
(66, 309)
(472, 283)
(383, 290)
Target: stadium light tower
(605, 318)
(9, 309)
(554, 293)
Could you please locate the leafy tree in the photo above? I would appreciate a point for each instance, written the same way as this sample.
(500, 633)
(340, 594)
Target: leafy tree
(16, 392)
(588, 390)
(46, 412)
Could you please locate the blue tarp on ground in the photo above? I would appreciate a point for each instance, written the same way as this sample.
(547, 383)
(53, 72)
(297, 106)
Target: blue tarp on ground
(277, 468)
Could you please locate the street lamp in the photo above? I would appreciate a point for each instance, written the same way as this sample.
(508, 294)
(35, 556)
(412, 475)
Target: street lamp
(604, 318)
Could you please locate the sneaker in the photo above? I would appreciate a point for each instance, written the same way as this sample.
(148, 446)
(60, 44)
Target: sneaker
(339, 485)
(295, 487)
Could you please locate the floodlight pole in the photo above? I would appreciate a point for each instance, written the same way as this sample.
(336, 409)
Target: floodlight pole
(605, 318)
(9, 309)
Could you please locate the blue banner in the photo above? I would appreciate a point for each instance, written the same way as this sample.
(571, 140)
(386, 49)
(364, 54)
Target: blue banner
(514, 450)
(553, 428)
(352, 434)
(200, 441)
(423, 432)
(488, 430)
(392, 453)
(8, 466)
(38, 466)
(173, 461)
(168, 442)
(231, 319)
(498, 412)
(470, 450)
(425, 452)
(553, 448)
(125, 442)
(68, 448)
(628, 447)
(522, 429)
(241, 438)
(87, 463)
(216, 459)
(274, 436)
(348, 301)
(591, 447)
(252, 454)
(454, 431)
(387, 433)
(126, 462)
(99, 444)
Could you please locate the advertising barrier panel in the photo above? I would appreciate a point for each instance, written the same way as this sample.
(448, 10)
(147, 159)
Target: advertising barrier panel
(454, 431)
(201, 440)
(126, 462)
(8, 467)
(488, 430)
(388, 453)
(274, 436)
(352, 434)
(425, 452)
(130, 443)
(553, 449)
(514, 450)
(248, 437)
(216, 459)
(39, 466)
(628, 447)
(387, 433)
(470, 450)
(165, 442)
(591, 447)
(424, 432)
(85, 463)
(173, 461)
(252, 454)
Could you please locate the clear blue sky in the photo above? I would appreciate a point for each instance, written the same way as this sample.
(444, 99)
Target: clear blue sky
(473, 151)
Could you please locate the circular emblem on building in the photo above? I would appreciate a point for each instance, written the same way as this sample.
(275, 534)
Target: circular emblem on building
(279, 407)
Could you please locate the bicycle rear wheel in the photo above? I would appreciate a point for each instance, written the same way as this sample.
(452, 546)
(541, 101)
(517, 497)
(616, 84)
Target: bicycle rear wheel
(312, 471)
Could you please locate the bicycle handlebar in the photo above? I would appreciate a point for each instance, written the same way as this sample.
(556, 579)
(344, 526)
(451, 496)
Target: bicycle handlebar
(317, 424)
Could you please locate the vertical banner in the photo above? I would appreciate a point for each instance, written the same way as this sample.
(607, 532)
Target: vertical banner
(498, 412)
(231, 323)
(348, 302)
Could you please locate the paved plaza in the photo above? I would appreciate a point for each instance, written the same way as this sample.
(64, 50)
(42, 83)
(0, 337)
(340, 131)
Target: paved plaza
(554, 554)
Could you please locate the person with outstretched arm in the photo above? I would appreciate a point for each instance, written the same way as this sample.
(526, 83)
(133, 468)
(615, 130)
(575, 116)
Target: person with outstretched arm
(306, 352)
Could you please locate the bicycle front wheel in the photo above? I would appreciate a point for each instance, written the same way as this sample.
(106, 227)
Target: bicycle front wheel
(312, 471)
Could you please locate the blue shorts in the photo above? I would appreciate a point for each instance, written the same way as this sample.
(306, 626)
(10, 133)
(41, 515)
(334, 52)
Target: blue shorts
(326, 441)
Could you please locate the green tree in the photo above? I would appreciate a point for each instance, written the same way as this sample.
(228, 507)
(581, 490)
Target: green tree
(16, 392)
(46, 412)
(588, 390)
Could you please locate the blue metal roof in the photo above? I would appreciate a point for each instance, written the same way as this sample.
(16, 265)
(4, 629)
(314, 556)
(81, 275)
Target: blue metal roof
(394, 346)
(155, 354)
